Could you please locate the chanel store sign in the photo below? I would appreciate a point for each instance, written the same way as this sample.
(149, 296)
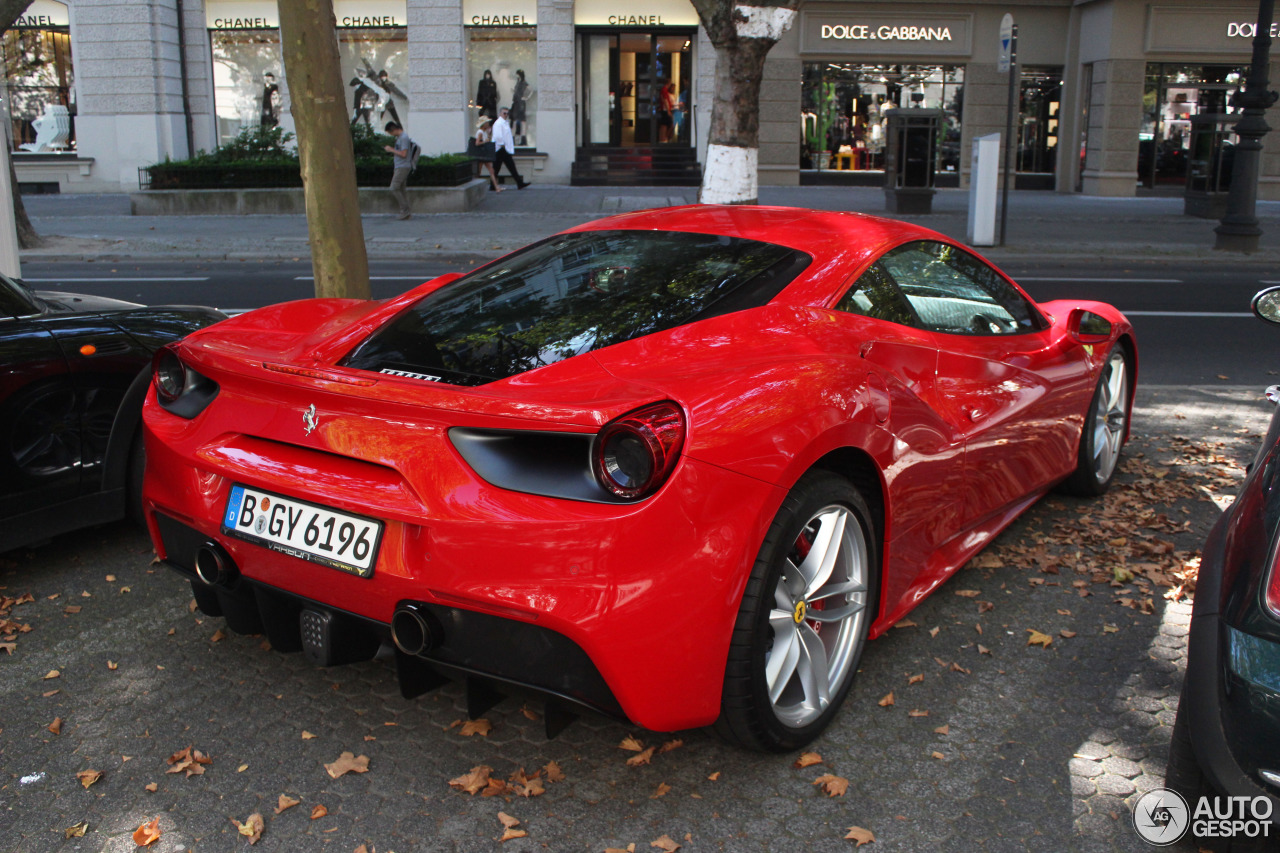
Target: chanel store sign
(886, 34)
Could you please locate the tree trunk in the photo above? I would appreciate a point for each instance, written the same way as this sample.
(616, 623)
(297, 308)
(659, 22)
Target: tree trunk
(742, 36)
(10, 11)
(308, 31)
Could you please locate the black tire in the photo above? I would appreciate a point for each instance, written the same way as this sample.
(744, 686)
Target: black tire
(749, 716)
(1091, 478)
(137, 472)
(1182, 774)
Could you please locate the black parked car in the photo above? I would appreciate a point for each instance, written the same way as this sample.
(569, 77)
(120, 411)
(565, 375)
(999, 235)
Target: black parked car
(1226, 736)
(73, 373)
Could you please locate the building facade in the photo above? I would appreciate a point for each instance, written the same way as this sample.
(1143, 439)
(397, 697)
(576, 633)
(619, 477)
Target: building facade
(1113, 97)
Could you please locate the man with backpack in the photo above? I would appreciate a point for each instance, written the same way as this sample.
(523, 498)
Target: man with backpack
(405, 154)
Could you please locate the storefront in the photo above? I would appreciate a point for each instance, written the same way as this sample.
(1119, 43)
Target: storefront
(249, 86)
(859, 60)
(39, 92)
(502, 64)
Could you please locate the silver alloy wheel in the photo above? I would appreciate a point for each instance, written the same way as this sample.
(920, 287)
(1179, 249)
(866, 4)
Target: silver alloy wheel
(1111, 416)
(818, 616)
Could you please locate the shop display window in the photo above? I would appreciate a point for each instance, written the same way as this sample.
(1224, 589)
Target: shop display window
(375, 68)
(39, 92)
(502, 71)
(1039, 110)
(1173, 96)
(842, 106)
(247, 74)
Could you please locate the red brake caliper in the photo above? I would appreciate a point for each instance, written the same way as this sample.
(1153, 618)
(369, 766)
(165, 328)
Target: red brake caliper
(803, 546)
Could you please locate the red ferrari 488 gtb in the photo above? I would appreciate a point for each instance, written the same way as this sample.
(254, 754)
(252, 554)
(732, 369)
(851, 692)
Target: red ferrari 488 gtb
(676, 466)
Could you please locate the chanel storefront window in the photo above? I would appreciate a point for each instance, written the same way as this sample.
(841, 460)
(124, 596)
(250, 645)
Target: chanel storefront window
(502, 71)
(247, 72)
(38, 94)
(850, 99)
(375, 67)
(1039, 116)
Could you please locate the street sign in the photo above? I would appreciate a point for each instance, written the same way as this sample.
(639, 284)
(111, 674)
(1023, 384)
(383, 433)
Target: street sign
(1006, 43)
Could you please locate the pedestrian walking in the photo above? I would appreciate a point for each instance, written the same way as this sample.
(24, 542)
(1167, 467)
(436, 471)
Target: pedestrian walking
(482, 150)
(504, 146)
(403, 155)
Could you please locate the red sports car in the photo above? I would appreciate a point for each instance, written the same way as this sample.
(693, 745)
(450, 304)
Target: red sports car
(677, 466)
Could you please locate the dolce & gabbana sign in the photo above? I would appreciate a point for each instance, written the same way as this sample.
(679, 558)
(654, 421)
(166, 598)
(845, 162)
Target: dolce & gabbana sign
(886, 33)
(1208, 30)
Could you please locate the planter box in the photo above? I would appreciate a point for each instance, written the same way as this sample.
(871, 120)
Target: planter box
(240, 202)
(242, 176)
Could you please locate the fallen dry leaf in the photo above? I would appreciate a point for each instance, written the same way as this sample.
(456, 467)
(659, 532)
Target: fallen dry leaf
(112, 665)
(553, 771)
(904, 623)
(242, 768)
(670, 745)
(937, 755)
(507, 820)
(887, 700)
(508, 834)
(641, 757)
(933, 632)
(480, 727)
(630, 744)
(306, 735)
(76, 830)
(983, 650)
(665, 844)
(714, 777)
(88, 777)
(916, 712)
(191, 760)
(285, 802)
(529, 713)
(630, 848)
(1038, 639)
(111, 578)
(348, 763)
(916, 679)
(147, 833)
(968, 593)
(860, 835)
(53, 673)
(318, 812)
(835, 786)
(807, 759)
(662, 790)
(72, 609)
(473, 782)
(527, 786)
(1065, 634)
(251, 828)
(942, 730)
(218, 636)
(55, 726)
(151, 787)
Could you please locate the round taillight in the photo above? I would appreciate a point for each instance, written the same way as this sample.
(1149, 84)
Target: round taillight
(636, 453)
(170, 375)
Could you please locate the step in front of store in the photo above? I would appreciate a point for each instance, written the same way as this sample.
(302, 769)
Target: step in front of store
(645, 166)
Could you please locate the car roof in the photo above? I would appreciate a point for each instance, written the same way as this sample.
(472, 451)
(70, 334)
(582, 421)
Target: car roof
(855, 238)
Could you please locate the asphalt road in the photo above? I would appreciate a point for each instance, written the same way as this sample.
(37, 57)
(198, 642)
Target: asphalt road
(1192, 319)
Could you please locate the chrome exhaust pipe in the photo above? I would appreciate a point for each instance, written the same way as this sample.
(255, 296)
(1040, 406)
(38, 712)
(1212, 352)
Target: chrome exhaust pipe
(214, 566)
(414, 631)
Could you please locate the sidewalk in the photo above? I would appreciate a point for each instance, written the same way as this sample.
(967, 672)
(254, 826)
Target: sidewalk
(1041, 224)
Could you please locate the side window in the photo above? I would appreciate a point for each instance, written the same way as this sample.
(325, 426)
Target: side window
(875, 295)
(955, 293)
(14, 300)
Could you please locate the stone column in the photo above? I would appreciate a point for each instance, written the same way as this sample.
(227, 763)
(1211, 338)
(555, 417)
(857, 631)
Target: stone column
(438, 116)
(705, 88)
(557, 133)
(128, 87)
(199, 76)
(1115, 120)
(986, 109)
(780, 121)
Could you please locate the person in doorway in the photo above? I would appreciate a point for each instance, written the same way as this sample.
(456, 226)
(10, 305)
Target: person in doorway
(504, 147)
(270, 112)
(666, 106)
(402, 154)
(483, 150)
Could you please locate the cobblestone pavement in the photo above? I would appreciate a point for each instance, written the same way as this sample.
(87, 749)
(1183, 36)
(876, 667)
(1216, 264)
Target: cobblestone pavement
(1043, 748)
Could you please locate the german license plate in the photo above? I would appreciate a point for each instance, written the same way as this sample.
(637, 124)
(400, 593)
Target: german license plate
(305, 530)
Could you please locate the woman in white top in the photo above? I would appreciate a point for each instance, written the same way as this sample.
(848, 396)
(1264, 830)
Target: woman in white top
(484, 136)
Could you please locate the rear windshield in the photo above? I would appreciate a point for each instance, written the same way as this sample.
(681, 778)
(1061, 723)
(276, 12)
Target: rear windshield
(573, 294)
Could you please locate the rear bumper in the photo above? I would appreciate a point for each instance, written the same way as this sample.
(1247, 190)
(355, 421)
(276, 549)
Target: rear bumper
(633, 605)
(1234, 720)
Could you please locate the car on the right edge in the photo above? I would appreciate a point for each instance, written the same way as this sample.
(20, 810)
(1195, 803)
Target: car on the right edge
(1226, 736)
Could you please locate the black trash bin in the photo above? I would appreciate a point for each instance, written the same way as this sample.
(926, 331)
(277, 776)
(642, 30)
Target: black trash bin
(1210, 157)
(911, 158)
